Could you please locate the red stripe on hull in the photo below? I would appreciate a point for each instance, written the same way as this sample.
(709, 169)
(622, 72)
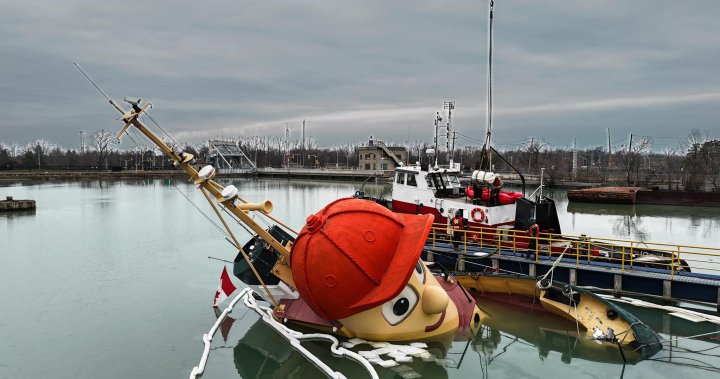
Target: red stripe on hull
(403, 207)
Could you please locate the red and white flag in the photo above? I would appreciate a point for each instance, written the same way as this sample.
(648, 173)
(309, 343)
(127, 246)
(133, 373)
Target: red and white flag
(225, 288)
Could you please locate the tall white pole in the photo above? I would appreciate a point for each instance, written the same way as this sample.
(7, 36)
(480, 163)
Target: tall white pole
(488, 120)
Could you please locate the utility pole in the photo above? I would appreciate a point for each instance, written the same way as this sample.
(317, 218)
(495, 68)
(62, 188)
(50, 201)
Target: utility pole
(82, 141)
(438, 119)
(287, 145)
(407, 147)
(302, 148)
(530, 151)
(449, 105)
(574, 169)
(609, 151)
(629, 159)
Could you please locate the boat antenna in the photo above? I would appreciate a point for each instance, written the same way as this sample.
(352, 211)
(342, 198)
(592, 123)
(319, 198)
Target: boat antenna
(488, 120)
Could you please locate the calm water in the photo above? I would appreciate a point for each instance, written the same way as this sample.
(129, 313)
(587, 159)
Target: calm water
(112, 279)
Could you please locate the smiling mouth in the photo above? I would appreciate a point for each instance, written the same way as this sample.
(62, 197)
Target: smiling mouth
(436, 325)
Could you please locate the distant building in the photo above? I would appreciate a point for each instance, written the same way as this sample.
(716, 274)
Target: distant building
(378, 156)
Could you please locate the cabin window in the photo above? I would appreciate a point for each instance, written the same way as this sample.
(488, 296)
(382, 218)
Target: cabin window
(411, 180)
(429, 182)
(446, 180)
(400, 179)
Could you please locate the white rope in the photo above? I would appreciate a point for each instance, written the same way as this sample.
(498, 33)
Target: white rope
(207, 338)
(294, 337)
(551, 271)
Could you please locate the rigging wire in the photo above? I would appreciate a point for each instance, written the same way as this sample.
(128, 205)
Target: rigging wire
(93, 83)
(164, 131)
(201, 212)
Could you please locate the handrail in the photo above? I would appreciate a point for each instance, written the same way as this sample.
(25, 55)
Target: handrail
(675, 258)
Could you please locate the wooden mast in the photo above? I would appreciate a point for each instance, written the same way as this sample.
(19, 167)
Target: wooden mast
(240, 210)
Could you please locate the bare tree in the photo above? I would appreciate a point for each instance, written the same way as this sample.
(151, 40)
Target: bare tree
(694, 167)
(36, 152)
(668, 156)
(530, 153)
(631, 156)
(102, 141)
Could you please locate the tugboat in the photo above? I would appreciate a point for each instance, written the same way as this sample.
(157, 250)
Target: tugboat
(495, 216)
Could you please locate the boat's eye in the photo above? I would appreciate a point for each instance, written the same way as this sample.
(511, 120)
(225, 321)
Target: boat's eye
(420, 271)
(397, 309)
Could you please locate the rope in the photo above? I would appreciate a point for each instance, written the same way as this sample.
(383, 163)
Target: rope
(232, 216)
(490, 267)
(164, 131)
(292, 336)
(203, 213)
(574, 304)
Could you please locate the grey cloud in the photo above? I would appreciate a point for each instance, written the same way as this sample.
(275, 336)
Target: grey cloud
(358, 68)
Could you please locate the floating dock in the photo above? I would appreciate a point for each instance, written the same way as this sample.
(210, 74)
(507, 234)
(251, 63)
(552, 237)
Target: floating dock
(640, 195)
(608, 195)
(618, 276)
(9, 204)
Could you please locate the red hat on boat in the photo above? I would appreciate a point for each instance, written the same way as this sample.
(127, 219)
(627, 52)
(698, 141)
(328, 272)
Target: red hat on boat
(354, 255)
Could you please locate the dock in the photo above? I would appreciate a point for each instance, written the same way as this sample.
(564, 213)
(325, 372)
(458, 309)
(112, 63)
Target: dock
(9, 204)
(307, 173)
(620, 277)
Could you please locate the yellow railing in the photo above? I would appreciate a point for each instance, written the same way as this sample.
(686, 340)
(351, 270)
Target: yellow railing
(629, 254)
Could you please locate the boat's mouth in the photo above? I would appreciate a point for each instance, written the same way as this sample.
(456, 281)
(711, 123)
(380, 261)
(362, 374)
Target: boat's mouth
(436, 325)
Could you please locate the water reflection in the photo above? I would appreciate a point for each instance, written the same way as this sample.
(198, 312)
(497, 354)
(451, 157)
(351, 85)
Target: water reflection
(644, 210)
(511, 328)
(263, 353)
(17, 214)
(517, 322)
(629, 227)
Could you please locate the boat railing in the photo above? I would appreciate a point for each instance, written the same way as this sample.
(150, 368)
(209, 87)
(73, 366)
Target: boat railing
(584, 249)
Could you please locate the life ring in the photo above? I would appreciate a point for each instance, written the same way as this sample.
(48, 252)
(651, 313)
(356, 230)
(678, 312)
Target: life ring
(477, 214)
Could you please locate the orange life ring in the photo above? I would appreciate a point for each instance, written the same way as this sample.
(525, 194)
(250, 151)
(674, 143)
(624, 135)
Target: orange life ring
(474, 214)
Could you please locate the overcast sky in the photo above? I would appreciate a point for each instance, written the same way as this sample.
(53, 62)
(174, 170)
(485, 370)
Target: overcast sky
(564, 69)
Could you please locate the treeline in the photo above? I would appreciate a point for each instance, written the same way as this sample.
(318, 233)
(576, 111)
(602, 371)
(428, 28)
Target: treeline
(692, 165)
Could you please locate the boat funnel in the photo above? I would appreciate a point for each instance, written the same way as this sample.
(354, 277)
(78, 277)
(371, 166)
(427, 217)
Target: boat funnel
(265, 207)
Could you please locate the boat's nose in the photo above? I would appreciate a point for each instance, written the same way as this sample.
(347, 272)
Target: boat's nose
(434, 300)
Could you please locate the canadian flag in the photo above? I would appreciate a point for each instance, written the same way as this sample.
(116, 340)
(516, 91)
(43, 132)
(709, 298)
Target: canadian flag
(225, 288)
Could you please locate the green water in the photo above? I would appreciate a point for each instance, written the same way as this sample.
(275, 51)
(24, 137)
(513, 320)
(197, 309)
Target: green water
(111, 279)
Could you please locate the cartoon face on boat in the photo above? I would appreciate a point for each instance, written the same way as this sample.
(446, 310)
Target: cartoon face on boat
(358, 264)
